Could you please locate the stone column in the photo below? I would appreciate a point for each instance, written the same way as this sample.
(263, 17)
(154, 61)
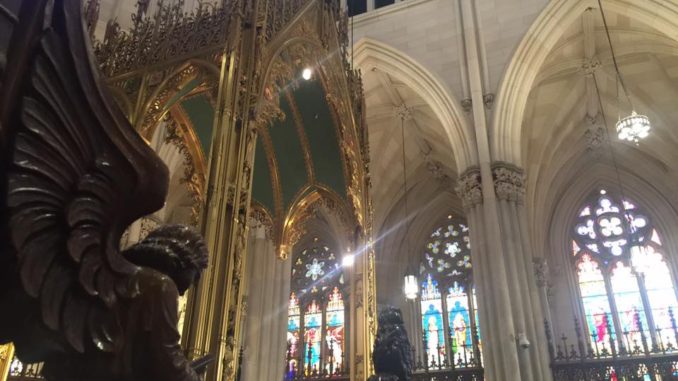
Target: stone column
(469, 189)
(527, 306)
(265, 328)
(541, 274)
(501, 247)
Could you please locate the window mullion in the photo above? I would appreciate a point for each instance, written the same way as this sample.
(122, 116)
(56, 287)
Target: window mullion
(615, 314)
(323, 334)
(302, 335)
(648, 310)
(449, 355)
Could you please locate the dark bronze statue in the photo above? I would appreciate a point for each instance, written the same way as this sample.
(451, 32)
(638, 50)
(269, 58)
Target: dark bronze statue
(73, 175)
(392, 354)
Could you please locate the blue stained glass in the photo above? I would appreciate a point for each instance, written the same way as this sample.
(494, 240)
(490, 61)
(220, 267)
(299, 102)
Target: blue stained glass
(460, 322)
(432, 322)
(458, 313)
(293, 323)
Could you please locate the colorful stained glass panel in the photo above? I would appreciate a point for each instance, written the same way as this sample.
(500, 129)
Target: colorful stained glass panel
(432, 323)
(312, 337)
(596, 305)
(334, 332)
(459, 321)
(632, 319)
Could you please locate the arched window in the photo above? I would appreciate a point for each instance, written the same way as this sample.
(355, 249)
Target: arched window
(449, 314)
(316, 338)
(625, 284)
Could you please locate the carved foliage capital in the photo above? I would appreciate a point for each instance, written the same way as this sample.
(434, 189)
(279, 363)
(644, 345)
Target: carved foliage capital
(469, 188)
(509, 182)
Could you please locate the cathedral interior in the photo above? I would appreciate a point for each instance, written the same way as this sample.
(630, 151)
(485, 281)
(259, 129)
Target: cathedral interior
(502, 172)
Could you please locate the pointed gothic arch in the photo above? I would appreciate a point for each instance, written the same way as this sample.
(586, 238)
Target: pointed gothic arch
(370, 53)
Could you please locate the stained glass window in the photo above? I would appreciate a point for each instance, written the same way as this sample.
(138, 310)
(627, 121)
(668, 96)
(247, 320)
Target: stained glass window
(293, 321)
(334, 337)
(625, 285)
(448, 310)
(312, 336)
(316, 331)
(432, 320)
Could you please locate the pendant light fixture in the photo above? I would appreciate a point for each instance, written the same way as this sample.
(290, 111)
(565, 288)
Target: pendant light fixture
(635, 127)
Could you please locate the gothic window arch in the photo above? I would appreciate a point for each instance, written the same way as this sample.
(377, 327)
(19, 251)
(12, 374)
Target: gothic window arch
(447, 302)
(625, 286)
(317, 314)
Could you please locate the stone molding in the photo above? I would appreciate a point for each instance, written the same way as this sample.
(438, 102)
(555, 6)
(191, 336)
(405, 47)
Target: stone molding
(509, 182)
(469, 188)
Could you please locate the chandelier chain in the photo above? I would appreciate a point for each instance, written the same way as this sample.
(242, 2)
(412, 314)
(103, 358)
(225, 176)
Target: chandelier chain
(407, 214)
(614, 57)
(612, 152)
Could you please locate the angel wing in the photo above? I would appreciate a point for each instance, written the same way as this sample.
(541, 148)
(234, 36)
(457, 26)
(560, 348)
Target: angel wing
(74, 172)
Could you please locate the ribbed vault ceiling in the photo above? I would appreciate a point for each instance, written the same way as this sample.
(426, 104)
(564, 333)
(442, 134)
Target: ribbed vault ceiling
(428, 152)
(300, 152)
(563, 116)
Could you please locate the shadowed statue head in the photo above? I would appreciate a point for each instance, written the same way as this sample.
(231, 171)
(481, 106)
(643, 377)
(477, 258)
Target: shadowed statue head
(175, 250)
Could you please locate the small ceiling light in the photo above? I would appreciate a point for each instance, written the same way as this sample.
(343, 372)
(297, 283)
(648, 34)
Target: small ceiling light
(633, 128)
(348, 260)
(307, 73)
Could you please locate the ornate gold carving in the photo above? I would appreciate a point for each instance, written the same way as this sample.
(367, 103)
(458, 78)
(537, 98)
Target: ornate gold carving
(181, 134)
(156, 105)
(267, 143)
(294, 227)
(261, 217)
(469, 188)
(509, 182)
(6, 356)
(170, 35)
(279, 14)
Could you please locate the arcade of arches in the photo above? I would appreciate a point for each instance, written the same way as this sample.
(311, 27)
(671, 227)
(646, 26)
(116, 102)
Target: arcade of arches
(542, 244)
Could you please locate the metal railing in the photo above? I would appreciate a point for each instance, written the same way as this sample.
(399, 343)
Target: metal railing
(639, 354)
(464, 365)
(332, 368)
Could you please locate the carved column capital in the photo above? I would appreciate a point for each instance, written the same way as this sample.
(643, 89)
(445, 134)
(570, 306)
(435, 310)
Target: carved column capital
(509, 182)
(469, 188)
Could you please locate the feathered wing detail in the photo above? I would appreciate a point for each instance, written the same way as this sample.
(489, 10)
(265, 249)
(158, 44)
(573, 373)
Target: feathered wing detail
(78, 175)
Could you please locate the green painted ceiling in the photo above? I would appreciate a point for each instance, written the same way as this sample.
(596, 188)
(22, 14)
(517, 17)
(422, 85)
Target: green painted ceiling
(286, 140)
(201, 113)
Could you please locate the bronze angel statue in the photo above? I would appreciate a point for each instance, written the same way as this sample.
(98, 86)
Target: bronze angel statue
(73, 175)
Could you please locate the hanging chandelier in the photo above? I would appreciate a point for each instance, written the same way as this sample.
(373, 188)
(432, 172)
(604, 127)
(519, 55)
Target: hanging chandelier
(633, 128)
